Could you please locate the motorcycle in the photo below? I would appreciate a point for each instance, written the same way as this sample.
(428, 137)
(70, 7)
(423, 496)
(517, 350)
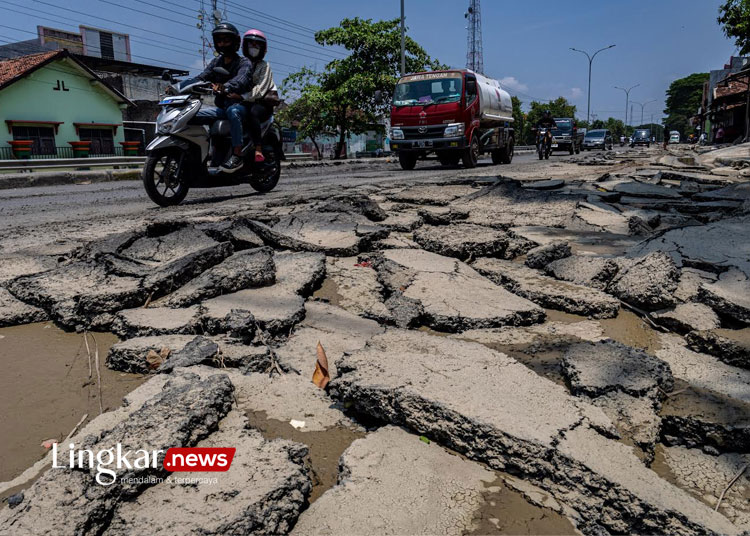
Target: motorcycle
(185, 156)
(544, 143)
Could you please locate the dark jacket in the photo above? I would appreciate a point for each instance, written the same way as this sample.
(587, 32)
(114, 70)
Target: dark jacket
(238, 81)
(546, 123)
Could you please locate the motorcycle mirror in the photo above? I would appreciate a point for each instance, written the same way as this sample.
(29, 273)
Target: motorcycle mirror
(378, 97)
(220, 70)
(167, 76)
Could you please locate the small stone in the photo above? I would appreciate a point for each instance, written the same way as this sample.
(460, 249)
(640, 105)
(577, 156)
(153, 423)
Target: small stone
(15, 500)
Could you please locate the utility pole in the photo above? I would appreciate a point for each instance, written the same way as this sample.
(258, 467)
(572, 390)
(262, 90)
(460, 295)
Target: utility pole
(403, 40)
(627, 99)
(591, 59)
(474, 52)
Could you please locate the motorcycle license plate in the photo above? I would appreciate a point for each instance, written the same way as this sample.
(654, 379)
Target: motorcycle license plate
(425, 143)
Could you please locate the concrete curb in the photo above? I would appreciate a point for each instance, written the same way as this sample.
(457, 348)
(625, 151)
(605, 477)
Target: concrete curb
(56, 178)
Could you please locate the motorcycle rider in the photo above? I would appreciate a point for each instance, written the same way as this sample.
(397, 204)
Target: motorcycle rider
(263, 94)
(228, 89)
(548, 122)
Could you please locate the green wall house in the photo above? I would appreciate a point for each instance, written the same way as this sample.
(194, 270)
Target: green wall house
(53, 99)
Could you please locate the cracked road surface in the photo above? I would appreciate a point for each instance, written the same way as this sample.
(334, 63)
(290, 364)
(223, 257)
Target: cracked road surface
(546, 321)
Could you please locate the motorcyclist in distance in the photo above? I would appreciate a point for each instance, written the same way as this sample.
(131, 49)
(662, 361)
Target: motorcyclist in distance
(547, 121)
(228, 88)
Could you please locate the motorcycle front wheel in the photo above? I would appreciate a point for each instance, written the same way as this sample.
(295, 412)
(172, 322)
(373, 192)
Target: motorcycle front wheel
(164, 178)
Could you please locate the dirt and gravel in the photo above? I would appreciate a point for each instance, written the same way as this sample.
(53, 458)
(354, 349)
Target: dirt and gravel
(548, 347)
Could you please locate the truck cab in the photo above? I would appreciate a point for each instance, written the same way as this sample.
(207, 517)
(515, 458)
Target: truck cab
(457, 115)
(566, 136)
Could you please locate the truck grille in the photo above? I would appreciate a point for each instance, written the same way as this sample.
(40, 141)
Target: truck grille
(427, 131)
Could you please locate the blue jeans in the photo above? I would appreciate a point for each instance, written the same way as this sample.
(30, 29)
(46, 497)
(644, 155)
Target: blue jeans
(236, 113)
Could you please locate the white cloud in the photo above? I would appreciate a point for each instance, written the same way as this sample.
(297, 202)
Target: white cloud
(510, 82)
(576, 93)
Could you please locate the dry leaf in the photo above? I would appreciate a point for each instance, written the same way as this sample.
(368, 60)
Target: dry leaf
(164, 353)
(320, 376)
(47, 444)
(154, 360)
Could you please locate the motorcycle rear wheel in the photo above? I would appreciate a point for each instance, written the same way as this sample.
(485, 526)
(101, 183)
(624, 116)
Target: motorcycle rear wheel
(265, 184)
(164, 179)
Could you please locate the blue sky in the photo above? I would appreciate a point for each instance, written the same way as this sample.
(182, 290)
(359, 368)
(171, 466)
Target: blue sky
(526, 44)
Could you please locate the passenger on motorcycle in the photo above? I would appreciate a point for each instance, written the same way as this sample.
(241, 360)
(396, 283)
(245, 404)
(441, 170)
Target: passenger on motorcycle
(263, 94)
(548, 122)
(228, 89)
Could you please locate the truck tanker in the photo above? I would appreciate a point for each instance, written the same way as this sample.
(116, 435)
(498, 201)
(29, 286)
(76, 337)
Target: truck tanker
(456, 114)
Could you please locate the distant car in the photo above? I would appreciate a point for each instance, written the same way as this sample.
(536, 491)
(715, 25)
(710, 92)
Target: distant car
(566, 137)
(674, 137)
(641, 137)
(597, 139)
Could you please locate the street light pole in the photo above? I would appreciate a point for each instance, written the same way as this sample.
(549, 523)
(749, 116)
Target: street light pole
(627, 100)
(643, 105)
(591, 60)
(403, 41)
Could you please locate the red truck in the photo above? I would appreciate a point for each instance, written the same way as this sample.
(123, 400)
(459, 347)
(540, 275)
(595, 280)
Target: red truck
(457, 114)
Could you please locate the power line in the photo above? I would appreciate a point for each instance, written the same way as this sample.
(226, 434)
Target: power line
(174, 49)
(282, 39)
(57, 21)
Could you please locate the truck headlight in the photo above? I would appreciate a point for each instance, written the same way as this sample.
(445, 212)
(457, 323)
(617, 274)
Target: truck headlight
(454, 129)
(397, 134)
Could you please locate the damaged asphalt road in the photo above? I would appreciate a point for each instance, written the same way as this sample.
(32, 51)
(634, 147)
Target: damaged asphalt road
(460, 311)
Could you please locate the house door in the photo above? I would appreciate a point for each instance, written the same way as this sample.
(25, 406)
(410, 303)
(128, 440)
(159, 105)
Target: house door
(102, 140)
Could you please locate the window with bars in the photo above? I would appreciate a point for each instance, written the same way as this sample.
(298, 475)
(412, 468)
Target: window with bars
(102, 140)
(43, 138)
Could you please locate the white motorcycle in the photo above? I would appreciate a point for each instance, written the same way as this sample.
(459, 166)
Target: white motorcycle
(185, 156)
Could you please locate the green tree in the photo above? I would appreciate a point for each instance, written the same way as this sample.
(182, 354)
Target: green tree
(304, 114)
(559, 107)
(683, 99)
(519, 118)
(345, 89)
(734, 16)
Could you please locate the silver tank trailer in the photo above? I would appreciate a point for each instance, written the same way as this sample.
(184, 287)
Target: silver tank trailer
(495, 106)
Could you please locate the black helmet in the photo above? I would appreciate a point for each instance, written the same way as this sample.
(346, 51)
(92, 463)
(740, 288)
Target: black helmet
(547, 112)
(226, 29)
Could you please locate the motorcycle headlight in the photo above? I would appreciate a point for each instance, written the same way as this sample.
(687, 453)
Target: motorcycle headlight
(397, 134)
(454, 129)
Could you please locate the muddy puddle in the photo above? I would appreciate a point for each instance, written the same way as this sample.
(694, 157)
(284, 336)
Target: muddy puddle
(706, 405)
(328, 292)
(582, 242)
(506, 511)
(325, 447)
(627, 328)
(740, 336)
(45, 389)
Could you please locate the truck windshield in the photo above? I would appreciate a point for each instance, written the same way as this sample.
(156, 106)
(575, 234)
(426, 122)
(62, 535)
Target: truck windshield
(564, 126)
(642, 133)
(422, 92)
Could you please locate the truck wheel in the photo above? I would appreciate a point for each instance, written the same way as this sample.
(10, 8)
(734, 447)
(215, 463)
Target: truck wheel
(504, 155)
(471, 154)
(407, 160)
(572, 150)
(448, 158)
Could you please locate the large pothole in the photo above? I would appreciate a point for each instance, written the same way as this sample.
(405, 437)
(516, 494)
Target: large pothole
(45, 389)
